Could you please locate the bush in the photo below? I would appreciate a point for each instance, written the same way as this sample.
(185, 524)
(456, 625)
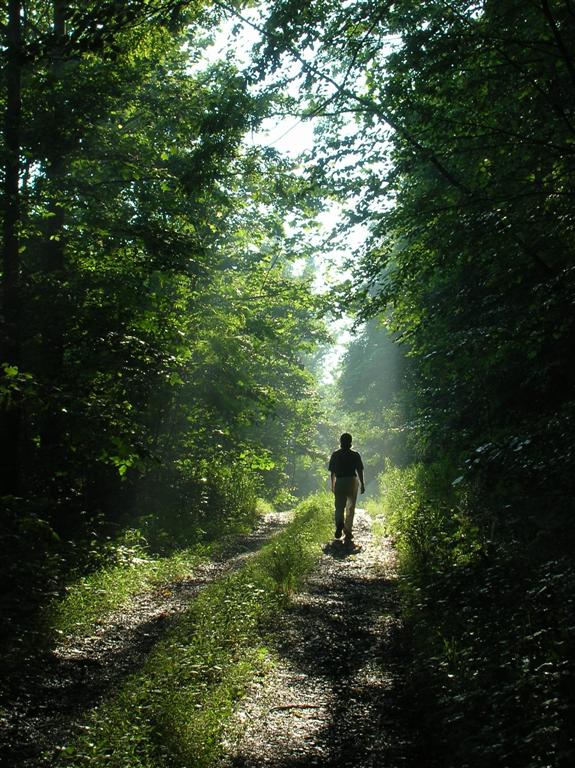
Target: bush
(30, 567)
(427, 518)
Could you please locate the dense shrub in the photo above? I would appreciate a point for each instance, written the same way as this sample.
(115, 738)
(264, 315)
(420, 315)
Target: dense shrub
(492, 625)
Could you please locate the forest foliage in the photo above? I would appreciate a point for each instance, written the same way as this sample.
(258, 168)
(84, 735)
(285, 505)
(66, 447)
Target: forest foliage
(154, 336)
(153, 333)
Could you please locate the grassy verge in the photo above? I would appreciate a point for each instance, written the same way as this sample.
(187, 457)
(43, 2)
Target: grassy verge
(92, 598)
(378, 527)
(173, 711)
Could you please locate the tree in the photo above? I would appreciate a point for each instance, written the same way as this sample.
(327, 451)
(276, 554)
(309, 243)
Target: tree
(461, 167)
(372, 393)
(10, 416)
(160, 331)
(448, 130)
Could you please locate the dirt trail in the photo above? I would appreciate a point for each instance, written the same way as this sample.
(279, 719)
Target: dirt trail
(77, 675)
(335, 696)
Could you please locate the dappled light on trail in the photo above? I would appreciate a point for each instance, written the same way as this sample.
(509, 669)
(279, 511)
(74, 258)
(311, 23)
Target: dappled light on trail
(335, 694)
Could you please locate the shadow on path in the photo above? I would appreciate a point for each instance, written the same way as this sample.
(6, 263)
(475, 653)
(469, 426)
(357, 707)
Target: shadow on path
(343, 649)
(339, 550)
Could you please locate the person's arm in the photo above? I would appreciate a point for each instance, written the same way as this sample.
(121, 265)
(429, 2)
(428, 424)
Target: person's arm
(360, 475)
(331, 470)
(359, 470)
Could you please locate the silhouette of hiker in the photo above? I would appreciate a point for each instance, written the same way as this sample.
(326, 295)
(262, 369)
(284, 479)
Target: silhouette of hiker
(346, 469)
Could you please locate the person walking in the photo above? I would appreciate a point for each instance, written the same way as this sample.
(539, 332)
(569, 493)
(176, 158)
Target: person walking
(346, 468)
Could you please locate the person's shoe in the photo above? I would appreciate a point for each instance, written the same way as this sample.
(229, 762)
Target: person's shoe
(348, 539)
(338, 532)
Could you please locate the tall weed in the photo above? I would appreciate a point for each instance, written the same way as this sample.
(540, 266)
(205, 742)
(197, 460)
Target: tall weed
(425, 516)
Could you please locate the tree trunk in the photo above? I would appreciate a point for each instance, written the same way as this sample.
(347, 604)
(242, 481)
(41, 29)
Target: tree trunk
(52, 428)
(10, 411)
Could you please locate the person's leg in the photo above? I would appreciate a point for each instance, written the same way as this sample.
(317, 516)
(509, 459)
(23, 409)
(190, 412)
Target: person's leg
(340, 497)
(350, 508)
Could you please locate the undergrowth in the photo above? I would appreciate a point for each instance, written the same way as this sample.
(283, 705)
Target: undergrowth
(93, 598)
(492, 624)
(172, 712)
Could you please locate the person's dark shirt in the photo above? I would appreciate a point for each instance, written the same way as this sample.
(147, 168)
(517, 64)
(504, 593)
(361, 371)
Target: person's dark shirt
(345, 462)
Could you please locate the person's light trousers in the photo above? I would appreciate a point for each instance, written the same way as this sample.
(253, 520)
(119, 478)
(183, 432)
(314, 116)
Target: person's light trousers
(345, 492)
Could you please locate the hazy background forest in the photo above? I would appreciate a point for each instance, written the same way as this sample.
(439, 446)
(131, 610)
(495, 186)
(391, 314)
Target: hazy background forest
(173, 284)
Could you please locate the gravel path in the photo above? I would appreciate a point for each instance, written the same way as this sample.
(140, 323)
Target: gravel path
(76, 676)
(334, 697)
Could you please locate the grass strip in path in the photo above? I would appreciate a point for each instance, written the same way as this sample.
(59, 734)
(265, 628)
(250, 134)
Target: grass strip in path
(172, 712)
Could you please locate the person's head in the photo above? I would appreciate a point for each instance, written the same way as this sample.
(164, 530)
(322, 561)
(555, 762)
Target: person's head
(345, 440)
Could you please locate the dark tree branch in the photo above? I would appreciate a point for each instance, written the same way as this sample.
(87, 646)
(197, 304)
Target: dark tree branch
(558, 38)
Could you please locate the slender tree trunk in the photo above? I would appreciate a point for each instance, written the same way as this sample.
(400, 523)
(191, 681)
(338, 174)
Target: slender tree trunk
(10, 412)
(52, 429)
(55, 170)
